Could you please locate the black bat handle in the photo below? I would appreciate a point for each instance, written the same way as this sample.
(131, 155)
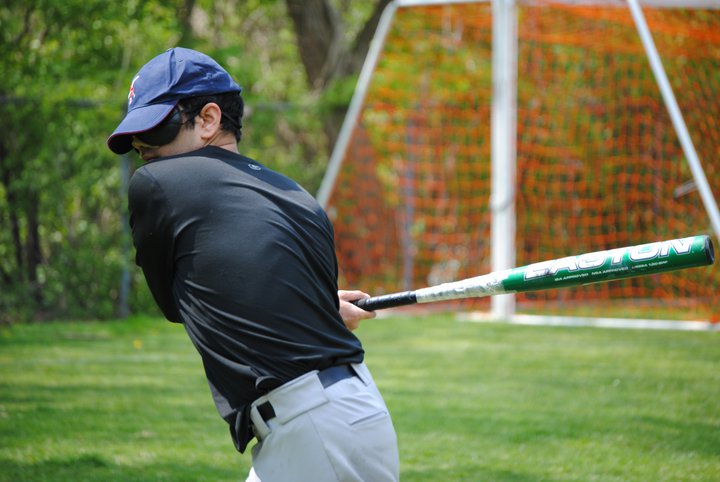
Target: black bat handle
(387, 301)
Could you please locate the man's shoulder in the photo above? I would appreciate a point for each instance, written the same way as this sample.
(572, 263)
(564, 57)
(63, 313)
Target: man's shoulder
(211, 169)
(205, 158)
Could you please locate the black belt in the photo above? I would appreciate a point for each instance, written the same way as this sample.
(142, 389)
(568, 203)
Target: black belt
(328, 376)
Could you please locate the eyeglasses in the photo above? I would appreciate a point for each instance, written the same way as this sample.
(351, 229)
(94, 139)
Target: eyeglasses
(163, 133)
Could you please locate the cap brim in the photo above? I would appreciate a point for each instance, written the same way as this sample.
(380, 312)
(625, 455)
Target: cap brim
(138, 120)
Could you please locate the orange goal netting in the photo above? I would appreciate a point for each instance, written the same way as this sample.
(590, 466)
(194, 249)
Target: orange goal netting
(599, 164)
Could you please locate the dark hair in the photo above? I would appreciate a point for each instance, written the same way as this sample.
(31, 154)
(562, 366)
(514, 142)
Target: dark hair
(230, 103)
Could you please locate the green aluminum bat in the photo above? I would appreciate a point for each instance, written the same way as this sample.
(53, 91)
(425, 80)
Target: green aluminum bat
(596, 267)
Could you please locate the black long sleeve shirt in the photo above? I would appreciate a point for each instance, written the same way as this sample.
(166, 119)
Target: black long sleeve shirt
(244, 258)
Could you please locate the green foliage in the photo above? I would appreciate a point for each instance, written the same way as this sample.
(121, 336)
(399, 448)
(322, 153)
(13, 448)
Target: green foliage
(60, 185)
(66, 68)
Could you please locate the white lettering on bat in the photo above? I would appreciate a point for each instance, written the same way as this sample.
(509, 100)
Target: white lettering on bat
(587, 261)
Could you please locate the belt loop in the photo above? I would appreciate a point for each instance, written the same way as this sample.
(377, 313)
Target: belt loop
(260, 428)
(362, 373)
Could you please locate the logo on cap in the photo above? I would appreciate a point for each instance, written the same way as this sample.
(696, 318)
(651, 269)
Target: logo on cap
(131, 94)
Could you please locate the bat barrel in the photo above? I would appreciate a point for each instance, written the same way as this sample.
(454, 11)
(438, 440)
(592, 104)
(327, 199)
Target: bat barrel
(613, 264)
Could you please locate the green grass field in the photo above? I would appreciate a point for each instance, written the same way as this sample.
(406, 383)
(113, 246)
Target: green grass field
(127, 401)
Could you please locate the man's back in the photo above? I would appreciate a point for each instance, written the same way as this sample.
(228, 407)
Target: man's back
(244, 257)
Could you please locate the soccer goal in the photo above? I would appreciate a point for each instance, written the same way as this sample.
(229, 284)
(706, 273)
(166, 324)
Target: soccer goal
(487, 135)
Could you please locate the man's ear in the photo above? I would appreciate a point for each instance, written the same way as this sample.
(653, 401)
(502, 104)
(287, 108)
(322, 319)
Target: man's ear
(209, 120)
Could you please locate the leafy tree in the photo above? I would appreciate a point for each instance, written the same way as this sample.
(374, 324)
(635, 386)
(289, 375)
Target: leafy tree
(66, 66)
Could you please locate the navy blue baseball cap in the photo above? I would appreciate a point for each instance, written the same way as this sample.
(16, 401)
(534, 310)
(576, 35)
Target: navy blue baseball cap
(159, 85)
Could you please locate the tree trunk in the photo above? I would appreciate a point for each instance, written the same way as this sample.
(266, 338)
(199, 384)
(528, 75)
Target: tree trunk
(184, 14)
(324, 52)
(13, 219)
(318, 28)
(32, 247)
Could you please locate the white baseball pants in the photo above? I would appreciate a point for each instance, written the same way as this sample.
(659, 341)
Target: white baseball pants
(342, 433)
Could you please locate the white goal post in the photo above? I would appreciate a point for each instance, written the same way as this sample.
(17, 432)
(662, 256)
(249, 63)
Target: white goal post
(503, 121)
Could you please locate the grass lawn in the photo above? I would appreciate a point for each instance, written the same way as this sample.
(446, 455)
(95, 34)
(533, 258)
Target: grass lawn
(128, 401)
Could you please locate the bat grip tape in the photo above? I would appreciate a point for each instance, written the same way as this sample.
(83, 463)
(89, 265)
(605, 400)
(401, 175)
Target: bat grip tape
(387, 301)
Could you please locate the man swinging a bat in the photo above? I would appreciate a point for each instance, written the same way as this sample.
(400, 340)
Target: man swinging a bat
(244, 258)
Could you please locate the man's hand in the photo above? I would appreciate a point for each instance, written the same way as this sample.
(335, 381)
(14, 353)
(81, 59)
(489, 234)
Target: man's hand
(351, 314)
